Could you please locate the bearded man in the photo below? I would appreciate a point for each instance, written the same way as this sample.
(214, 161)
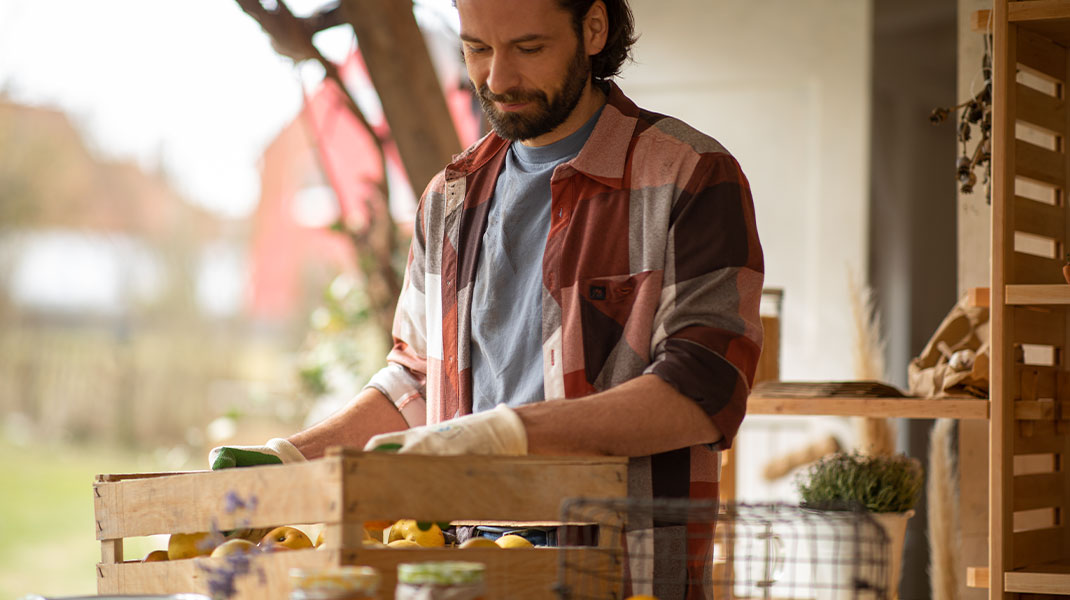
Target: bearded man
(584, 280)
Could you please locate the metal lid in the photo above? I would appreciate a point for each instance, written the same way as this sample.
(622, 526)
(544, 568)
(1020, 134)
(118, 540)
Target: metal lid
(441, 573)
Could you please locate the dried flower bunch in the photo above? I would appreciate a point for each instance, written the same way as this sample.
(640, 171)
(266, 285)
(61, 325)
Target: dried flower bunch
(845, 481)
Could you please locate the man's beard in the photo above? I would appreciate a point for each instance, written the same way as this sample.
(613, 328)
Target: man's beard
(547, 115)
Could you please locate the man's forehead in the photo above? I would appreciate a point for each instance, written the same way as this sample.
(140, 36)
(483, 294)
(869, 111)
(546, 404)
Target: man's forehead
(511, 19)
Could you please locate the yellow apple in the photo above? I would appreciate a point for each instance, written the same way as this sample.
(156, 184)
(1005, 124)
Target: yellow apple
(513, 541)
(479, 542)
(188, 545)
(404, 544)
(285, 538)
(155, 556)
(407, 529)
(235, 546)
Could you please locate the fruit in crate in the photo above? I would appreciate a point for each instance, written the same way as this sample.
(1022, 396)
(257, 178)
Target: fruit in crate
(513, 541)
(404, 544)
(188, 545)
(408, 529)
(235, 546)
(285, 538)
(155, 556)
(479, 542)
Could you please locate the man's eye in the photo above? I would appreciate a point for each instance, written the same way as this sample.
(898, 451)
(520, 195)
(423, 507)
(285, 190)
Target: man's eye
(530, 50)
(475, 49)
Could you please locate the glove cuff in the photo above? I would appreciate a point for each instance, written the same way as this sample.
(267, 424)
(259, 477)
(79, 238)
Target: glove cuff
(512, 435)
(286, 451)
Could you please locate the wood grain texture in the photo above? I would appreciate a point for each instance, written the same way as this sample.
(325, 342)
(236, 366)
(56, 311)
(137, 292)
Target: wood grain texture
(1036, 162)
(1036, 269)
(1058, 293)
(1039, 490)
(1034, 582)
(272, 495)
(519, 489)
(910, 408)
(1041, 109)
(1036, 52)
(1040, 219)
(1002, 387)
(1036, 546)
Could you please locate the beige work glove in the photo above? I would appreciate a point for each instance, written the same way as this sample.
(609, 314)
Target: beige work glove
(274, 451)
(499, 431)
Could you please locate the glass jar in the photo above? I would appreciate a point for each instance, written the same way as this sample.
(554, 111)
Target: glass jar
(336, 583)
(443, 580)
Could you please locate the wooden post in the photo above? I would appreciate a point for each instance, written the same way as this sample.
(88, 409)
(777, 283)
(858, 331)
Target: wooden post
(400, 69)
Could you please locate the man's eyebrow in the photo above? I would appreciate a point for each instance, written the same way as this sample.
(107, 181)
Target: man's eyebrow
(531, 37)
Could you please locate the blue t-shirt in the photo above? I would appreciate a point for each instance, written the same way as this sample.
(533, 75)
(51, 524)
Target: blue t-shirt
(507, 293)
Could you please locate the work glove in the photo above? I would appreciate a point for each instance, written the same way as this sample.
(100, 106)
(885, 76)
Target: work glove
(274, 452)
(499, 431)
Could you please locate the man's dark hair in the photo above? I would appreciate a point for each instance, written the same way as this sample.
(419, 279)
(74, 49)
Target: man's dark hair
(619, 39)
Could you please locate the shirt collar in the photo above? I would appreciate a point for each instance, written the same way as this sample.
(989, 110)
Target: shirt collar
(602, 158)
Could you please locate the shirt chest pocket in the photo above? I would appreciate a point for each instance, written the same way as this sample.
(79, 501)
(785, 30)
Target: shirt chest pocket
(616, 315)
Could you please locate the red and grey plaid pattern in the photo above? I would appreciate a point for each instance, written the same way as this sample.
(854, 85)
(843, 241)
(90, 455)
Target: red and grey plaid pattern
(652, 265)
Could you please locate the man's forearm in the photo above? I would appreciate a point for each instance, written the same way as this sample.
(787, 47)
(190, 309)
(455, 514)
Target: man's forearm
(640, 417)
(368, 414)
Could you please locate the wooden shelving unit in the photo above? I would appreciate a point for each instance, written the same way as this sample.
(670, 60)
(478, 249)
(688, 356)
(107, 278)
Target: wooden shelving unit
(1029, 431)
(907, 408)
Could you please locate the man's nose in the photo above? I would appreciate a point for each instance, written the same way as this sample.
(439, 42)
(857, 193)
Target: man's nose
(503, 75)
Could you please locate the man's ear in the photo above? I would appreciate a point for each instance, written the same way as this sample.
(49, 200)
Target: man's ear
(595, 28)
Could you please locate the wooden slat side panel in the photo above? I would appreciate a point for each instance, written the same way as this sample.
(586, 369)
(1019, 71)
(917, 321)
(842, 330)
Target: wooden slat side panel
(1041, 490)
(267, 578)
(1036, 269)
(230, 499)
(528, 574)
(1003, 385)
(1040, 109)
(1040, 54)
(1040, 219)
(1036, 546)
(1041, 440)
(1040, 163)
(487, 488)
(1040, 326)
(910, 408)
(1043, 378)
(1038, 583)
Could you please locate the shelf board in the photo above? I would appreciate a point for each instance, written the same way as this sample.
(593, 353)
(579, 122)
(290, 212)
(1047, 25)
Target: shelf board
(1032, 294)
(1050, 18)
(909, 408)
(1049, 578)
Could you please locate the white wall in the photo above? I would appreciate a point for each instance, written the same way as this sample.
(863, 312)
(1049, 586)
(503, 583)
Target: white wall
(784, 85)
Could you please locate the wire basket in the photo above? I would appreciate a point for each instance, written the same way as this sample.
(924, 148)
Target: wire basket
(682, 549)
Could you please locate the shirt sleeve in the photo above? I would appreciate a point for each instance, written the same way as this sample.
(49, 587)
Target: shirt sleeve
(707, 331)
(403, 380)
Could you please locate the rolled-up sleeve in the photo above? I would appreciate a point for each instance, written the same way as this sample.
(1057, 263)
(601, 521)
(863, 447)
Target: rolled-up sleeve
(708, 333)
(403, 381)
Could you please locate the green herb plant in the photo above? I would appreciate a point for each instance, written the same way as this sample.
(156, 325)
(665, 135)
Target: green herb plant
(846, 481)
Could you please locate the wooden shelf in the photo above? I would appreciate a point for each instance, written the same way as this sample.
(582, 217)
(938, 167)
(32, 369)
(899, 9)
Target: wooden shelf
(909, 408)
(1050, 18)
(1050, 578)
(1038, 294)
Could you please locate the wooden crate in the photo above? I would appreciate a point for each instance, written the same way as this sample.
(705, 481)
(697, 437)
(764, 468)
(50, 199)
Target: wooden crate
(343, 490)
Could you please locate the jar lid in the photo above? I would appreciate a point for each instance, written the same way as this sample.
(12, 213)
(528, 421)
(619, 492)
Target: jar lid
(441, 573)
(336, 579)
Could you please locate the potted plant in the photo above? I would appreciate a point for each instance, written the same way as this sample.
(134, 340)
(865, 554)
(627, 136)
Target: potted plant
(887, 487)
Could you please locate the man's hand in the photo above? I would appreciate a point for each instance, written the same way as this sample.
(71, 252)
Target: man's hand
(275, 451)
(499, 431)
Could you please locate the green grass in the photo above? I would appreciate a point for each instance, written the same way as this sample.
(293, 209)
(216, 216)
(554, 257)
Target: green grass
(47, 541)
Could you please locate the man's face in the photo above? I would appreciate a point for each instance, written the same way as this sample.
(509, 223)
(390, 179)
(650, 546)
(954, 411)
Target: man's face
(527, 63)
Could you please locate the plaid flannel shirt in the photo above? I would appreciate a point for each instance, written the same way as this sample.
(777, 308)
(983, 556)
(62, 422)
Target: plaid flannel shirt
(652, 265)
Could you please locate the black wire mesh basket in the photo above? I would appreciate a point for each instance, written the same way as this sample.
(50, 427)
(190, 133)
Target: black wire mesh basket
(682, 549)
